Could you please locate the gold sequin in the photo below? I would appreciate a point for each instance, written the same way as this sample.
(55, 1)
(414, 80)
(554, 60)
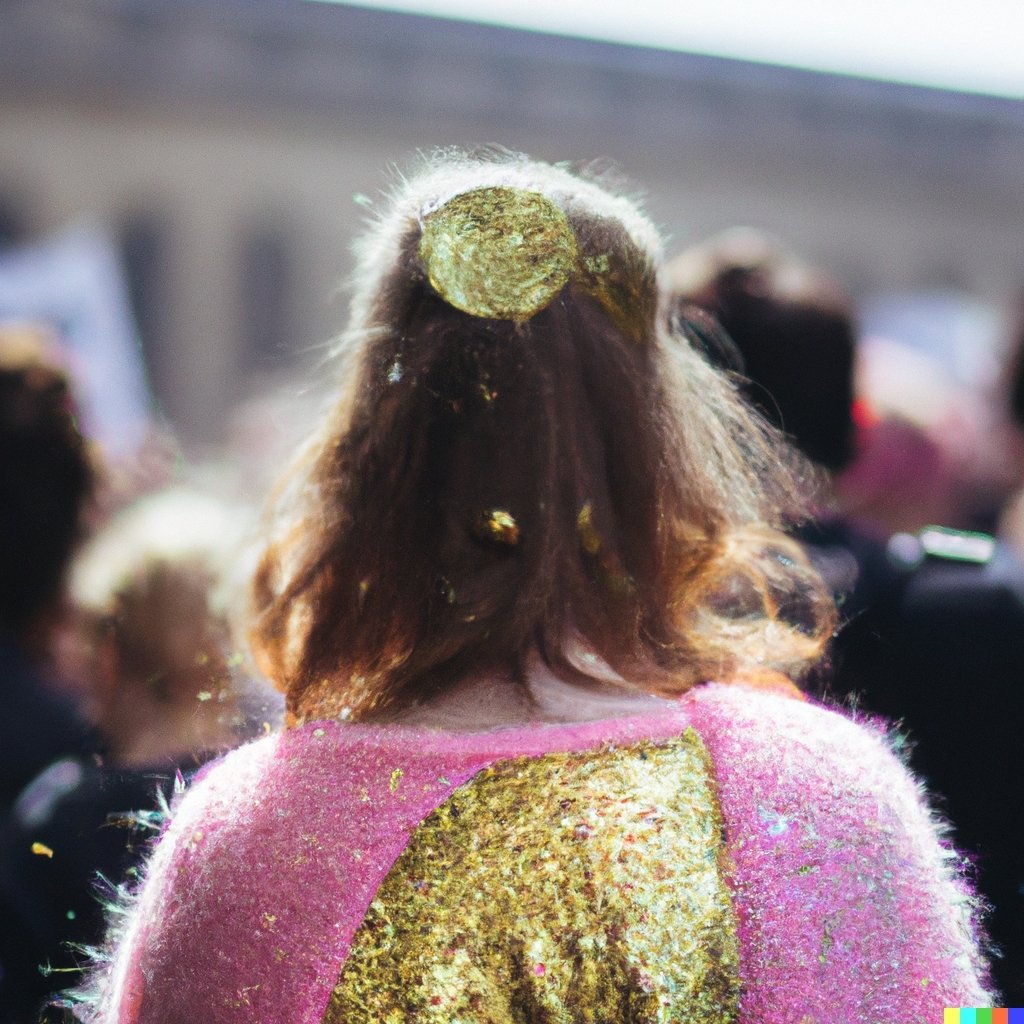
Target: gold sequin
(590, 539)
(610, 572)
(567, 888)
(499, 253)
(498, 526)
(623, 282)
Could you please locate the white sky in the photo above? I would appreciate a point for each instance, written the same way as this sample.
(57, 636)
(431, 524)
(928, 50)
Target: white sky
(968, 45)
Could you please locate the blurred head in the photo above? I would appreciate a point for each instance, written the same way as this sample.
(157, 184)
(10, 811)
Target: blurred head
(46, 478)
(1016, 370)
(524, 458)
(149, 593)
(793, 328)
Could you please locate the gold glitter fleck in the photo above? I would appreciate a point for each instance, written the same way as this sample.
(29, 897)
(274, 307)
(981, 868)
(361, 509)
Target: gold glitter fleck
(204, 695)
(589, 537)
(498, 526)
(623, 281)
(396, 778)
(42, 850)
(608, 565)
(500, 253)
(502, 909)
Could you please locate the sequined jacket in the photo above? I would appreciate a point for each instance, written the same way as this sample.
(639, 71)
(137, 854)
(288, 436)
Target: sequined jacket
(745, 858)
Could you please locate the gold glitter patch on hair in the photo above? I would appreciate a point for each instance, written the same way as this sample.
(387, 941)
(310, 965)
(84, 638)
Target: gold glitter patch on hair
(498, 526)
(590, 539)
(499, 253)
(574, 888)
(623, 282)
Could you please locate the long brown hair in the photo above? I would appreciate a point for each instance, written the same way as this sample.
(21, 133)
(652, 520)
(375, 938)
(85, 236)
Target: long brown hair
(579, 480)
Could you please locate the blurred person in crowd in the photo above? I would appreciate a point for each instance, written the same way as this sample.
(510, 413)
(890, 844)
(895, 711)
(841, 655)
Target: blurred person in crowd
(496, 588)
(934, 447)
(1011, 523)
(47, 477)
(932, 620)
(790, 344)
(149, 598)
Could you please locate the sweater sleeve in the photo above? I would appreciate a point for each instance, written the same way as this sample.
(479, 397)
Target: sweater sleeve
(852, 903)
(115, 992)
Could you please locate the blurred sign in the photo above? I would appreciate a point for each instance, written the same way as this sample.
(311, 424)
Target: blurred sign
(73, 284)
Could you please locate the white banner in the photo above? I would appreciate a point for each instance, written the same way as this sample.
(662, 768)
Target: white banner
(73, 283)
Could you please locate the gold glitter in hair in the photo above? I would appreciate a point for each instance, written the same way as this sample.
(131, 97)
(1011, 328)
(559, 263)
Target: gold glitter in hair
(499, 253)
(590, 539)
(498, 526)
(570, 887)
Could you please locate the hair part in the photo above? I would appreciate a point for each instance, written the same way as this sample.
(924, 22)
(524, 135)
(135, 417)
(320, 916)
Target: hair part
(637, 481)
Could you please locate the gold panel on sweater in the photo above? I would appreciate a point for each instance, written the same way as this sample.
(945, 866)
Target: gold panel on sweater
(565, 889)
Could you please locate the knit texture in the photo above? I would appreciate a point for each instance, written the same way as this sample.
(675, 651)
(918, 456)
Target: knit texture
(848, 904)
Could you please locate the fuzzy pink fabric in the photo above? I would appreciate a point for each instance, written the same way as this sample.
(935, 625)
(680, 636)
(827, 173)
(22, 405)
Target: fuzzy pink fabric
(847, 908)
(271, 861)
(850, 909)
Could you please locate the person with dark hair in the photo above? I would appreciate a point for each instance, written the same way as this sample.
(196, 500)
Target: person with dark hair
(497, 587)
(931, 623)
(793, 330)
(791, 338)
(46, 479)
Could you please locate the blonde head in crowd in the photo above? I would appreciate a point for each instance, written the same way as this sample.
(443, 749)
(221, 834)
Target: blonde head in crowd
(527, 457)
(151, 596)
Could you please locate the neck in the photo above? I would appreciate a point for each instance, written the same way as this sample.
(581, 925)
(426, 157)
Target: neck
(494, 700)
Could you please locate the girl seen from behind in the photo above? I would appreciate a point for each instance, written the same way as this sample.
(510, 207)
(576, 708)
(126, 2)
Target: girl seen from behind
(528, 598)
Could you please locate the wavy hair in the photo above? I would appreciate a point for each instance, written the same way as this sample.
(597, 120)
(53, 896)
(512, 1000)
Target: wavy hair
(579, 484)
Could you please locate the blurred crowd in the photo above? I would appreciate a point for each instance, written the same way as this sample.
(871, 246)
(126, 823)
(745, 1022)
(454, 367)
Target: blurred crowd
(121, 675)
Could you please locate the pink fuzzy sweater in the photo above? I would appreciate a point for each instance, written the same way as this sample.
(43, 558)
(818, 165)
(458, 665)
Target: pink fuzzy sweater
(746, 857)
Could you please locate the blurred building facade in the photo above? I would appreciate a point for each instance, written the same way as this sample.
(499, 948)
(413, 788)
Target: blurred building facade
(225, 145)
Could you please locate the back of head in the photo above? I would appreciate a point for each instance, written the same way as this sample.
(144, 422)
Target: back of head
(793, 328)
(524, 459)
(154, 575)
(46, 476)
(151, 600)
